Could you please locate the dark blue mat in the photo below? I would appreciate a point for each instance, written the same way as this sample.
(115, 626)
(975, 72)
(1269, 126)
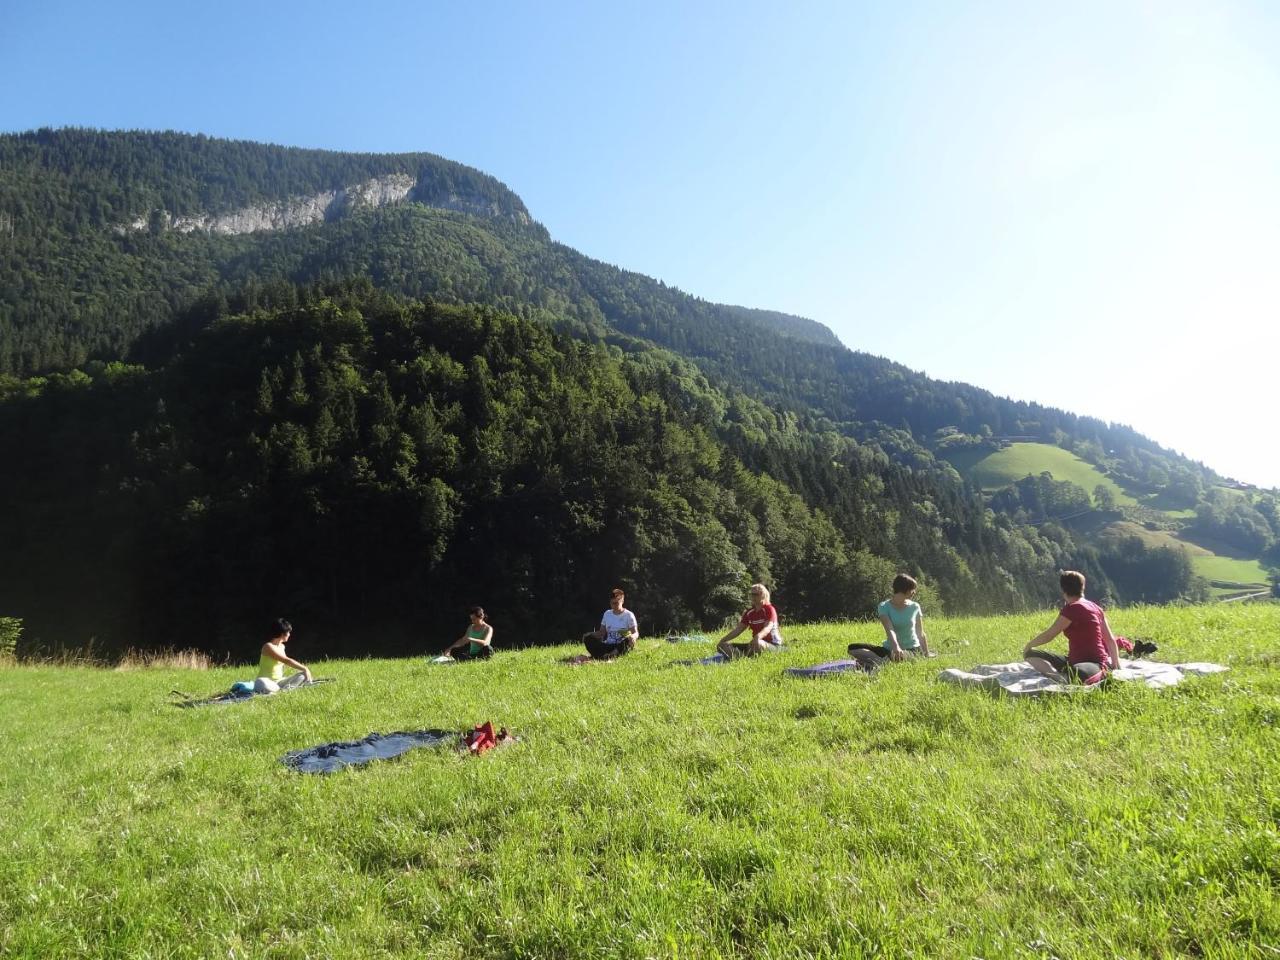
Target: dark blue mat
(329, 757)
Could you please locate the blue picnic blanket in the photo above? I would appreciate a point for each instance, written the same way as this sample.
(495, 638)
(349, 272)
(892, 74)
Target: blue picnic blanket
(329, 757)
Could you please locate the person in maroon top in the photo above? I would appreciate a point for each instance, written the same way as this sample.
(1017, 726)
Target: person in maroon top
(1091, 646)
(761, 620)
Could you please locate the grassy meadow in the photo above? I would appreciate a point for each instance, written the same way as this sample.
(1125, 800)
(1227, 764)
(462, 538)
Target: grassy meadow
(657, 810)
(1205, 563)
(991, 471)
(1230, 570)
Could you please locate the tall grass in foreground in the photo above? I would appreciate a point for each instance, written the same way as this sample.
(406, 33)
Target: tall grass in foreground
(655, 810)
(168, 658)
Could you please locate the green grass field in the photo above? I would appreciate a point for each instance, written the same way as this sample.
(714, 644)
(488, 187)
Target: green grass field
(1018, 460)
(1152, 538)
(655, 810)
(1166, 504)
(1204, 562)
(1229, 570)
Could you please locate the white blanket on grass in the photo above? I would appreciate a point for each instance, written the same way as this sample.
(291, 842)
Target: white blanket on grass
(1021, 679)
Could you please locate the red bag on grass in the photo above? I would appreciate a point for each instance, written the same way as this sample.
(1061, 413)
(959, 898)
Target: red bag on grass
(483, 738)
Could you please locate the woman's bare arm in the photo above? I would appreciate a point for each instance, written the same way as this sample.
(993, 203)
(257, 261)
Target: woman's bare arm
(1058, 626)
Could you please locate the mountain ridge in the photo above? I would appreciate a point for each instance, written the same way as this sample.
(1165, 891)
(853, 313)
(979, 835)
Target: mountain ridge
(502, 256)
(146, 159)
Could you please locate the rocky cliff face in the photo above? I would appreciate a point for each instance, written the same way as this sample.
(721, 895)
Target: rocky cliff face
(469, 205)
(303, 211)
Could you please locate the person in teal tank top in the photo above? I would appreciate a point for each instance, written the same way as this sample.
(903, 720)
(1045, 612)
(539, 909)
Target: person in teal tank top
(478, 639)
(903, 623)
(272, 658)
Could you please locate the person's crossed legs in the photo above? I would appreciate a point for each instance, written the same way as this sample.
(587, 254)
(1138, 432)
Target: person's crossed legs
(1056, 667)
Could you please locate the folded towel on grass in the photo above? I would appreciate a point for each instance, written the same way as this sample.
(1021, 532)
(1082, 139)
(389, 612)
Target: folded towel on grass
(329, 757)
(1019, 678)
(245, 690)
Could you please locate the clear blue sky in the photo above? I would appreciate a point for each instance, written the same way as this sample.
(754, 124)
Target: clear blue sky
(1072, 203)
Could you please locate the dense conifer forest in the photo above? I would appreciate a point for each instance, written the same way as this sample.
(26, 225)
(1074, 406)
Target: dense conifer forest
(378, 417)
(370, 464)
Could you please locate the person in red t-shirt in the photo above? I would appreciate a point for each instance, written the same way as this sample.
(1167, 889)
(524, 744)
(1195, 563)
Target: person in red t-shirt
(761, 620)
(1091, 646)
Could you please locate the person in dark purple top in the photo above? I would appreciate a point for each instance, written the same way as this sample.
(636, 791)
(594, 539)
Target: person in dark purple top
(1091, 646)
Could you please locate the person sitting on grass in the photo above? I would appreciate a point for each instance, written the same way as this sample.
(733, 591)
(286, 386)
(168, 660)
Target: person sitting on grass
(272, 660)
(617, 633)
(1091, 646)
(762, 620)
(903, 623)
(478, 639)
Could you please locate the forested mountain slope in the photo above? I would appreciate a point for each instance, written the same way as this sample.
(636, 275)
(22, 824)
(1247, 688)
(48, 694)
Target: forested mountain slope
(372, 466)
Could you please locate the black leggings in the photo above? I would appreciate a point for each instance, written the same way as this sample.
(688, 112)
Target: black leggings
(745, 648)
(600, 650)
(1083, 672)
(484, 654)
(882, 652)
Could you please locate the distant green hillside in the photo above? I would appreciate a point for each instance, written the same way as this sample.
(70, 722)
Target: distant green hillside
(999, 469)
(1229, 570)
(990, 471)
(1205, 563)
